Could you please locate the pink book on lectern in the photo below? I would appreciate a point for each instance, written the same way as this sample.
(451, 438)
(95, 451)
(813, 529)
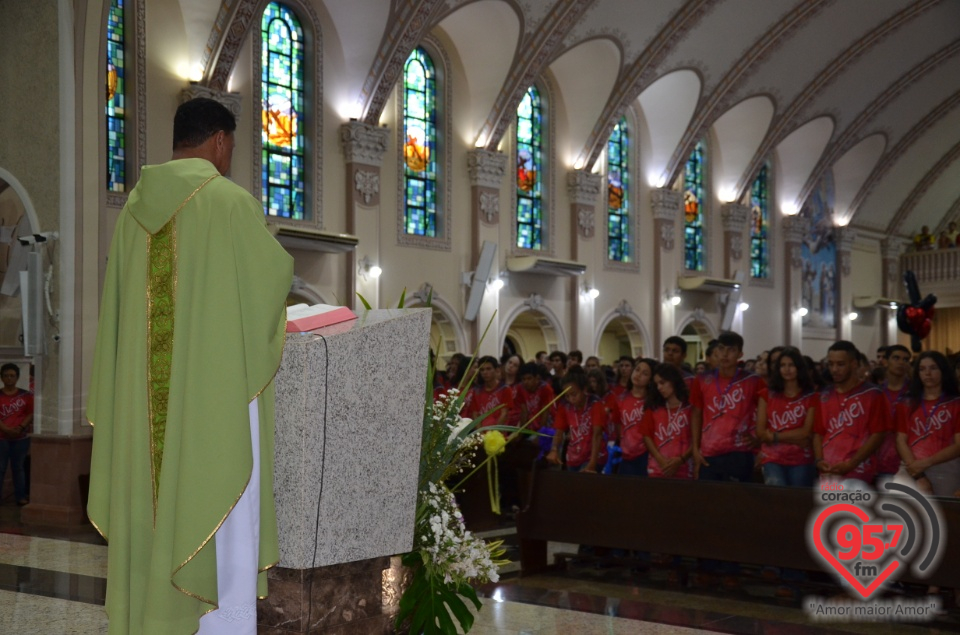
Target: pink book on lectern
(302, 317)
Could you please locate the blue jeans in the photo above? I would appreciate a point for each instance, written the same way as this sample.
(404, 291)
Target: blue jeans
(15, 453)
(634, 467)
(732, 466)
(789, 475)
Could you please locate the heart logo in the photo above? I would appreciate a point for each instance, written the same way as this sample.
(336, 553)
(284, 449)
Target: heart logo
(853, 548)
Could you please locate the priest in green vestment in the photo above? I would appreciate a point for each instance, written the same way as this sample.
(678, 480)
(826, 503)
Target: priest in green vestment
(190, 337)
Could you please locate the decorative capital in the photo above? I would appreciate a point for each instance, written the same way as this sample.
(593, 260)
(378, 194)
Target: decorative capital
(623, 308)
(583, 187)
(734, 216)
(891, 248)
(534, 301)
(844, 237)
(665, 204)
(666, 235)
(363, 143)
(486, 168)
(795, 229)
(232, 101)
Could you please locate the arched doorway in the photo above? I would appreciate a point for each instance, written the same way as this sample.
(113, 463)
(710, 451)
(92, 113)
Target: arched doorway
(529, 332)
(13, 223)
(697, 335)
(620, 337)
(446, 334)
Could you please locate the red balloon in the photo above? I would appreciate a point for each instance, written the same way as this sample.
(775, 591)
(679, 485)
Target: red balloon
(929, 312)
(924, 329)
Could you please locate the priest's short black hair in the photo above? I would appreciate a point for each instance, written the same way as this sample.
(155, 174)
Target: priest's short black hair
(199, 119)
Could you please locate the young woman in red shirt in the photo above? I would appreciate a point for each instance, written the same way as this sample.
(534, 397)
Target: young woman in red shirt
(631, 407)
(785, 416)
(666, 425)
(583, 418)
(928, 426)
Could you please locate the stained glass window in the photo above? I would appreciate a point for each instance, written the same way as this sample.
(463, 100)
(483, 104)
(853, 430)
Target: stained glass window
(282, 90)
(420, 145)
(760, 225)
(693, 201)
(529, 171)
(116, 100)
(618, 207)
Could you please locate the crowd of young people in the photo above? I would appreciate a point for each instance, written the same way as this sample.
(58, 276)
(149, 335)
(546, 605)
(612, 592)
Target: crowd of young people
(781, 419)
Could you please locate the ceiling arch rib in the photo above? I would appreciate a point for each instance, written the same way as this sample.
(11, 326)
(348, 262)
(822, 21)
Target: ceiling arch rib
(640, 75)
(895, 153)
(738, 133)
(535, 51)
(787, 119)
(848, 138)
(922, 187)
(718, 98)
(408, 23)
(950, 216)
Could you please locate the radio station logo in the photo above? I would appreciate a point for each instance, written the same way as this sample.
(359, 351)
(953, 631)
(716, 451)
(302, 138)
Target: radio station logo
(868, 540)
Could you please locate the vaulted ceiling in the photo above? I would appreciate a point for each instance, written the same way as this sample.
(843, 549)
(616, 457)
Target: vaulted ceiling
(869, 89)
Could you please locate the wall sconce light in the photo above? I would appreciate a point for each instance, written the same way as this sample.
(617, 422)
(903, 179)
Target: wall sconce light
(673, 297)
(802, 311)
(496, 284)
(744, 306)
(853, 315)
(590, 292)
(367, 269)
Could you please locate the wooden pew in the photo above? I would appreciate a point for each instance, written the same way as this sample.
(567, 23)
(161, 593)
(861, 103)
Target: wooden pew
(737, 522)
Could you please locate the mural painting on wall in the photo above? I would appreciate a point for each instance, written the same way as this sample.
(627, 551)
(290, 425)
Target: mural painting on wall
(820, 257)
(13, 259)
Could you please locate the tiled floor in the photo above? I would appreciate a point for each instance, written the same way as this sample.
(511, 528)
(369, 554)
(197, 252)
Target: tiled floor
(53, 583)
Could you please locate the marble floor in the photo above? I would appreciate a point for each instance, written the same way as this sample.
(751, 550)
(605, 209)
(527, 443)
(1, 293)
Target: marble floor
(53, 583)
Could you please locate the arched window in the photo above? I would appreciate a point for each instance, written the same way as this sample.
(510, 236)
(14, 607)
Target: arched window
(530, 171)
(283, 169)
(618, 199)
(420, 144)
(693, 202)
(760, 225)
(116, 99)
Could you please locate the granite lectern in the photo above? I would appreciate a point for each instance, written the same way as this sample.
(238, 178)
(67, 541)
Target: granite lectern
(350, 401)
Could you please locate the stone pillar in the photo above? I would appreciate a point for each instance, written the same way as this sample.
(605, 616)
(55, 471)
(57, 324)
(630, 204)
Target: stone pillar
(363, 148)
(890, 249)
(667, 258)
(486, 169)
(734, 217)
(795, 229)
(844, 237)
(583, 189)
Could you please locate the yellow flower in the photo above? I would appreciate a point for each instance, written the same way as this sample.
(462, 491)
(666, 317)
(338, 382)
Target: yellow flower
(494, 443)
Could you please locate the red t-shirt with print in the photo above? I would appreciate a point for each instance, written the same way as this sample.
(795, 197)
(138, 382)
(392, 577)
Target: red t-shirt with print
(729, 405)
(534, 401)
(930, 425)
(631, 426)
(845, 422)
(14, 410)
(580, 422)
(785, 414)
(888, 459)
(669, 430)
(480, 401)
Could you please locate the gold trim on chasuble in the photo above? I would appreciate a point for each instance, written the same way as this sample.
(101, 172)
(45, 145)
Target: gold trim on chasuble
(161, 303)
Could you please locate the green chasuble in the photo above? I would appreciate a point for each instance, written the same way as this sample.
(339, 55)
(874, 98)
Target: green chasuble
(191, 331)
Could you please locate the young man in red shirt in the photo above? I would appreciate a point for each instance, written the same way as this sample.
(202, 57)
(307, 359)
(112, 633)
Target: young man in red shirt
(894, 388)
(724, 404)
(675, 354)
(583, 418)
(532, 395)
(624, 370)
(16, 415)
(852, 419)
(489, 393)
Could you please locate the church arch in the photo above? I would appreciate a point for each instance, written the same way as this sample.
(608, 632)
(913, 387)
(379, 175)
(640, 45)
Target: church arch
(622, 332)
(532, 327)
(446, 332)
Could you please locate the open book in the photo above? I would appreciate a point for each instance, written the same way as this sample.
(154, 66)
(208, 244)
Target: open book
(303, 317)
